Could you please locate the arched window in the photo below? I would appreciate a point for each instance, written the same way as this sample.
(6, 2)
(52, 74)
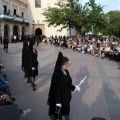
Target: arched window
(15, 30)
(37, 3)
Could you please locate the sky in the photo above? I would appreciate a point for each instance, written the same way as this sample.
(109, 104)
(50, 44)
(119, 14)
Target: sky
(108, 4)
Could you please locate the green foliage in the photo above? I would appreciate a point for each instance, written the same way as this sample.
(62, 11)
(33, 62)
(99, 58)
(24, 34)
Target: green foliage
(95, 15)
(75, 15)
(60, 15)
(113, 23)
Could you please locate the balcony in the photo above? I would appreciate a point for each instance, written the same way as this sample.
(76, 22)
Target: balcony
(3, 16)
(14, 19)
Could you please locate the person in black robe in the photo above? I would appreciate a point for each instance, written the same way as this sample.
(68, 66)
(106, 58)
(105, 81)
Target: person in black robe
(26, 60)
(60, 90)
(1, 40)
(5, 41)
(34, 68)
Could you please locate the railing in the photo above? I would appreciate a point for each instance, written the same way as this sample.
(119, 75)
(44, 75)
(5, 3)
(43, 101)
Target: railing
(14, 18)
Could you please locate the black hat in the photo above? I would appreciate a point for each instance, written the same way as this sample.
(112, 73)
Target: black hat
(59, 60)
(31, 43)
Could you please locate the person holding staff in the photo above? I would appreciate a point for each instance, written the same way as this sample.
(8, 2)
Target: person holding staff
(60, 90)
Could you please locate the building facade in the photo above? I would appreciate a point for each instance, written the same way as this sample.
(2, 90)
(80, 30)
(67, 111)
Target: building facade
(13, 18)
(24, 17)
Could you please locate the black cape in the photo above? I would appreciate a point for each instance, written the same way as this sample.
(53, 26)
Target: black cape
(60, 92)
(26, 60)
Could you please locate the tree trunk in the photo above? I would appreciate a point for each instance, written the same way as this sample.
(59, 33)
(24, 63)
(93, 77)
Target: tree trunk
(78, 34)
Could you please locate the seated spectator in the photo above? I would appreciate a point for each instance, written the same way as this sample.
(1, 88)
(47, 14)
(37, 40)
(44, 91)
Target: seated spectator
(74, 45)
(80, 45)
(3, 70)
(60, 42)
(91, 48)
(112, 52)
(4, 85)
(69, 43)
(85, 48)
(6, 100)
(118, 55)
(96, 49)
(99, 41)
(56, 43)
(118, 48)
(64, 45)
(105, 52)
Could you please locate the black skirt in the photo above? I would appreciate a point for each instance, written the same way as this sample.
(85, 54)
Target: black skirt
(34, 73)
(65, 110)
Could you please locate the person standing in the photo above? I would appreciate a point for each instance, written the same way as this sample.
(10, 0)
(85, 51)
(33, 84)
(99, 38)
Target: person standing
(26, 60)
(37, 40)
(14, 38)
(59, 96)
(5, 41)
(1, 40)
(34, 69)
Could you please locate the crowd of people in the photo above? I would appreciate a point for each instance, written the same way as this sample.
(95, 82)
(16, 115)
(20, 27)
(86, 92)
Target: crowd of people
(61, 87)
(102, 47)
(5, 93)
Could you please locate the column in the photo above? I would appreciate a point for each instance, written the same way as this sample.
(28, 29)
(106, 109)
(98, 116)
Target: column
(20, 32)
(10, 33)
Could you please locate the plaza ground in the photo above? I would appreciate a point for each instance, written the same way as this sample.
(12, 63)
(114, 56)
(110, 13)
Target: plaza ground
(99, 95)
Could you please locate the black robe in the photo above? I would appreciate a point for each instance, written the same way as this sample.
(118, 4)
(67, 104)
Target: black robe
(60, 92)
(34, 56)
(5, 41)
(26, 61)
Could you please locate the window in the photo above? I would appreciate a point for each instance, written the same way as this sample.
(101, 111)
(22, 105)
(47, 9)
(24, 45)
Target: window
(22, 14)
(37, 3)
(14, 11)
(5, 9)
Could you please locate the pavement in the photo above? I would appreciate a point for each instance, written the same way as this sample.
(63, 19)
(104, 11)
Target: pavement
(99, 95)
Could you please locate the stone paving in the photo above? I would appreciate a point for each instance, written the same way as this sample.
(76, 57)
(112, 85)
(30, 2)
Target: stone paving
(99, 96)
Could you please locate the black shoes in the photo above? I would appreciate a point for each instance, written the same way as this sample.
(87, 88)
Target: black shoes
(34, 88)
(25, 76)
(29, 81)
(33, 85)
(13, 99)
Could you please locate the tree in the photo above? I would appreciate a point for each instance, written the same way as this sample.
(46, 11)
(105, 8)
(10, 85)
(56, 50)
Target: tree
(60, 15)
(113, 23)
(73, 15)
(95, 17)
